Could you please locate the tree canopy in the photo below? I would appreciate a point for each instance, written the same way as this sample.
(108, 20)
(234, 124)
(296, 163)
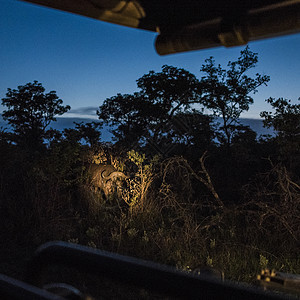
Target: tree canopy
(173, 89)
(286, 122)
(146, 116)
(286, 118)
(227, 92)
(30, 111)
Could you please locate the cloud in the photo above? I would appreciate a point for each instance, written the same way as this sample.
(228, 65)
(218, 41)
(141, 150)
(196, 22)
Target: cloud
(83, 112)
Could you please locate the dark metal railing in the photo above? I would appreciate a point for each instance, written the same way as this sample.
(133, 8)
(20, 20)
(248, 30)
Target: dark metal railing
(147, 275)
(13, 289)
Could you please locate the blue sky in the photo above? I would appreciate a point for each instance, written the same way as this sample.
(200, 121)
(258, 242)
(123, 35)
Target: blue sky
(86, 61)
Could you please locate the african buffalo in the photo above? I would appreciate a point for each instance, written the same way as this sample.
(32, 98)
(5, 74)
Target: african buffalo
(106, 178)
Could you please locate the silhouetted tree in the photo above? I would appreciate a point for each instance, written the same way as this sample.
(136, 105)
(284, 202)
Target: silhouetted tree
(30, 111)
(174, 89)
(227, 92)
(129, 116)
(186, 133)
(285, 120)
(244, 136)
(147, 116)
(89, 132)
(286, 123)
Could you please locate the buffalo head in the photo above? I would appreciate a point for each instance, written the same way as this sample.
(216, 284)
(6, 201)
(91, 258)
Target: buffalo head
(106, 178)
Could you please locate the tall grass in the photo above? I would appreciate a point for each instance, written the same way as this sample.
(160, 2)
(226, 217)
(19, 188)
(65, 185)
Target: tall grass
(170, 212)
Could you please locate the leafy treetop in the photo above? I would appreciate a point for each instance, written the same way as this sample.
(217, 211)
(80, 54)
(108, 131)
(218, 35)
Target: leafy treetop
(227, 92)
(145, 114)
(286, 122)
(30, 111)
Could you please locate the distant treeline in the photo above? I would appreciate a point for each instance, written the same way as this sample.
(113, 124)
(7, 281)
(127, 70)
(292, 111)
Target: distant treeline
(62, 123)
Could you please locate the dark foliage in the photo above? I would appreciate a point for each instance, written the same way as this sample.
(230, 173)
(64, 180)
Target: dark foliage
(227, 93)
(286, 123)
(187, 200)
(29, 112)
(159, 114)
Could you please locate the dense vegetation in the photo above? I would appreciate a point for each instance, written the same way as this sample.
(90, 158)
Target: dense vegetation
(199, 193)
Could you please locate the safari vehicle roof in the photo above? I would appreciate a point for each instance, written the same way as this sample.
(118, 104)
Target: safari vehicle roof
(184, 25)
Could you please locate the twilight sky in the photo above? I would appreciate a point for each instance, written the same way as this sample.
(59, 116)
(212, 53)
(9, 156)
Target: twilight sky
(86, 61)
